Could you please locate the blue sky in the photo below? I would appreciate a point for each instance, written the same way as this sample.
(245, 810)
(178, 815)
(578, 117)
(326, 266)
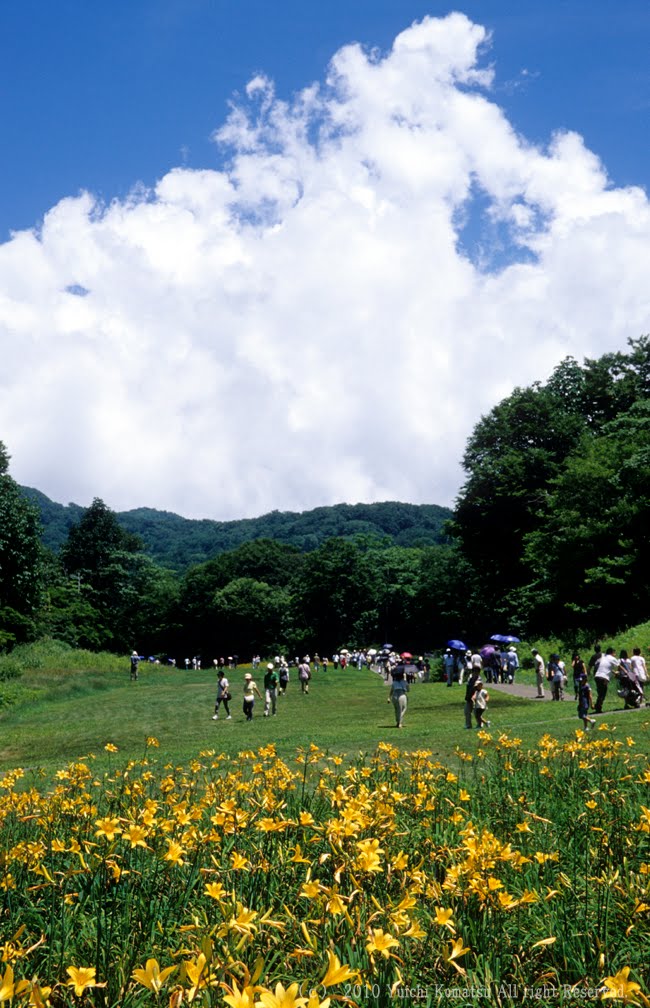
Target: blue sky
(260, 256)
(101, 95)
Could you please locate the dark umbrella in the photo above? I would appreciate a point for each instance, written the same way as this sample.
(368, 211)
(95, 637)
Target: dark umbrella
(457, 645)
(499, 637)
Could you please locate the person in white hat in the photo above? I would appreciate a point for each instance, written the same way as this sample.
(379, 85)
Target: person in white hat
(271, 681)
(135, 661)
(250, 689)
(512, 663)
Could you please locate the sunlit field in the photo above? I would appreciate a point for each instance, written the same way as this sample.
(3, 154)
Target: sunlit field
(152, 856)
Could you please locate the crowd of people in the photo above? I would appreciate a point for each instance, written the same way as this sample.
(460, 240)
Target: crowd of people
(473, 669)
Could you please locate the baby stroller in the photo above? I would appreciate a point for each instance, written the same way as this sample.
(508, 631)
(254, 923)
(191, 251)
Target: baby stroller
(629, 690)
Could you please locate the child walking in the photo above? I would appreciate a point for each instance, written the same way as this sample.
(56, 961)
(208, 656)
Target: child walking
(585, 702)
(480, 700)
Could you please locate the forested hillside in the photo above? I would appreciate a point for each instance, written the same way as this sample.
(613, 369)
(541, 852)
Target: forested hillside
(177, 543)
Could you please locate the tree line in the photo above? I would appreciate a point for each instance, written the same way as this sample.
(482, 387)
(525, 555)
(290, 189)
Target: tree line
(547, 538)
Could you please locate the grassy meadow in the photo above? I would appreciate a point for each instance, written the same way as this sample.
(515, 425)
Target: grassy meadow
(153, 856)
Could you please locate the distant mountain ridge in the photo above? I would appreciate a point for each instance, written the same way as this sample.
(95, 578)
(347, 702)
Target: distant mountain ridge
(178, 543)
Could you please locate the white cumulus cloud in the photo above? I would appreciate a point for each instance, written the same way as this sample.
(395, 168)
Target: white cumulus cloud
(378, 261)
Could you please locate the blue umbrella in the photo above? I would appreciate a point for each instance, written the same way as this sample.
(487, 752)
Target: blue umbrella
(505, 638)
(457, 645)
(387, 647)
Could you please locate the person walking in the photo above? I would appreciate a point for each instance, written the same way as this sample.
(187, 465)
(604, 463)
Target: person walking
(579, 669)
(511, 663)
(250, 689)
(555, 677)
(223, 697)
(135, 661)
(304, 674)
(284, 676)
(585, 700)
(448, 665)
(639, 666)
(480, 701)
(606, 668)
(399, 688)
(271, 682)
(539, 673)
(470, 689)
(593, 662)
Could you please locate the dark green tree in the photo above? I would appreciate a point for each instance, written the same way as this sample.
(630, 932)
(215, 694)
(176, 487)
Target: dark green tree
(514, 455)
(21, 581)
(335, 597)
(250, 616)
(131, 598)
(93, 541)
(264, 561)
(589, 555)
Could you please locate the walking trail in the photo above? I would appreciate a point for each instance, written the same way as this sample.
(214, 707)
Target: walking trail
(529, 692)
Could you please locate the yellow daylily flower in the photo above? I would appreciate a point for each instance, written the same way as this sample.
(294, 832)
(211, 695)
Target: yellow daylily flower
(415, 931)
(315, 1001)
(82, 977)
(174, 853)
(239, 862)
(400, 861)
(311, 889)
(7, 986)
(215, 890)
(444, 918)
(38, 996)
(199, 975)
(244, 998)
(152, 977)
(136, 836)
(337, 973)
(297, 855)
(108, 827)
(457, 950)
(382, 942)
(620, 988)
(281, 998)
